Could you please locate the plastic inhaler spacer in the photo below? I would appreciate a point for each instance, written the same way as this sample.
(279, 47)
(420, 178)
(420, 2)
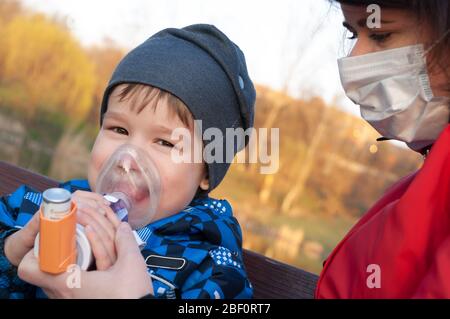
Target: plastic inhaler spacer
(57, 242)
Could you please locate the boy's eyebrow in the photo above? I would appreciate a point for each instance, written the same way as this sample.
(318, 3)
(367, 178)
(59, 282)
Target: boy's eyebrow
(164, 129)
(117, 115)
(157, 127)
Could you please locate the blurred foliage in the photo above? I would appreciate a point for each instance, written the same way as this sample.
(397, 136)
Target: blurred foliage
(43, 67)
(50, 86)
(105, 58)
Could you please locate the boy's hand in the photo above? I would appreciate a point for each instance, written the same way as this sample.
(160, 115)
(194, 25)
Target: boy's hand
(127, 278)
(100, 226)
(19, 243)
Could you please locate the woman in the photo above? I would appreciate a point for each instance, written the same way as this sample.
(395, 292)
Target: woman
(399, 75)
(398, 72)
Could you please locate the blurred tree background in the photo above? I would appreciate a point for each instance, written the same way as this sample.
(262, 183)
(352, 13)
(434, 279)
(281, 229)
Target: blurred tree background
(331, 170)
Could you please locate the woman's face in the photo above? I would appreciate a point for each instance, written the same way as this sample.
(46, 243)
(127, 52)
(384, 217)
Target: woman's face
(398, 28)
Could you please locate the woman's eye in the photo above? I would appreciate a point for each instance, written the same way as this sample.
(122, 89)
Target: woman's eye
(165, 143)
(119, 130)
(380, 37)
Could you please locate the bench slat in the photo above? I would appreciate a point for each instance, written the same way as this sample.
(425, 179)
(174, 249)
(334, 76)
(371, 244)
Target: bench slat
(11, 177)
(271, 279)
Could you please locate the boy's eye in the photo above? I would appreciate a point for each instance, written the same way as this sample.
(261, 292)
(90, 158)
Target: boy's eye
(164, 143)
(380, 37)
(119, 130)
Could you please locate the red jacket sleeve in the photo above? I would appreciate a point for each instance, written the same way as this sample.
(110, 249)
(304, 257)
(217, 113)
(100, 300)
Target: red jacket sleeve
(436, 283)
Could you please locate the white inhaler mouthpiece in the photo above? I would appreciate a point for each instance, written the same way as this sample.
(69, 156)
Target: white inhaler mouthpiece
(130, 181)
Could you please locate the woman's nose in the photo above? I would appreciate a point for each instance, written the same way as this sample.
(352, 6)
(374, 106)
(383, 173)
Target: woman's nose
(357, 49)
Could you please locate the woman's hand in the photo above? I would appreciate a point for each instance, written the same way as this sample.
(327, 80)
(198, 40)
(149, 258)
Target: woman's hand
(127, 278)
(19, 243)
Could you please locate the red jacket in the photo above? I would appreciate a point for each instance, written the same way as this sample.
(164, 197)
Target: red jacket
(401, 247)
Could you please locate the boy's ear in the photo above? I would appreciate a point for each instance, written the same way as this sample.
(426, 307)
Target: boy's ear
(204, 184)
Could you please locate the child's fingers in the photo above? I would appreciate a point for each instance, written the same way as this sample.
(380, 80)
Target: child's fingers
(102, 259)
(100, 198)
(101, 220)
(87, 202)
(106, 243)
(95, 204)
(89, 196)
(87, 219)
(112, 217)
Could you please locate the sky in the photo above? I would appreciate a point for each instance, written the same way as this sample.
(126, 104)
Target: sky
(289, 45)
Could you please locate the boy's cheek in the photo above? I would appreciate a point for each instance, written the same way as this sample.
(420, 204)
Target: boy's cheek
(92, 174)
(179, 184)
(99, 154)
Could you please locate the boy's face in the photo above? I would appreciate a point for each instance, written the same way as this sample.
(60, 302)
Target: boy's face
(151, 131)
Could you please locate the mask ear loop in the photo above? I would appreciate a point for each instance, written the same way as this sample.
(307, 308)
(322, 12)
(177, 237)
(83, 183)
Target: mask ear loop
(441, 38)
(425, 151)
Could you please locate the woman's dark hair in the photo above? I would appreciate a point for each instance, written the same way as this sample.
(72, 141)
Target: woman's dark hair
(434, 13)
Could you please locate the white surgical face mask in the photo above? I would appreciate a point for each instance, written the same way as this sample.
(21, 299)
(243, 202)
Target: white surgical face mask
(393, 90)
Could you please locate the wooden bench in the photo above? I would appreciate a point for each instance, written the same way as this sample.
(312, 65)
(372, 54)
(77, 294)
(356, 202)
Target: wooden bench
(270, 278)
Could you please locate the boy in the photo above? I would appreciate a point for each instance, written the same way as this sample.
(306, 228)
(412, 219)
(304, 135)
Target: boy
(194, 244)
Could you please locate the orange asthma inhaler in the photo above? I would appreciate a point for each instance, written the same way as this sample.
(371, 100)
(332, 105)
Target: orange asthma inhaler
(57, 231)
